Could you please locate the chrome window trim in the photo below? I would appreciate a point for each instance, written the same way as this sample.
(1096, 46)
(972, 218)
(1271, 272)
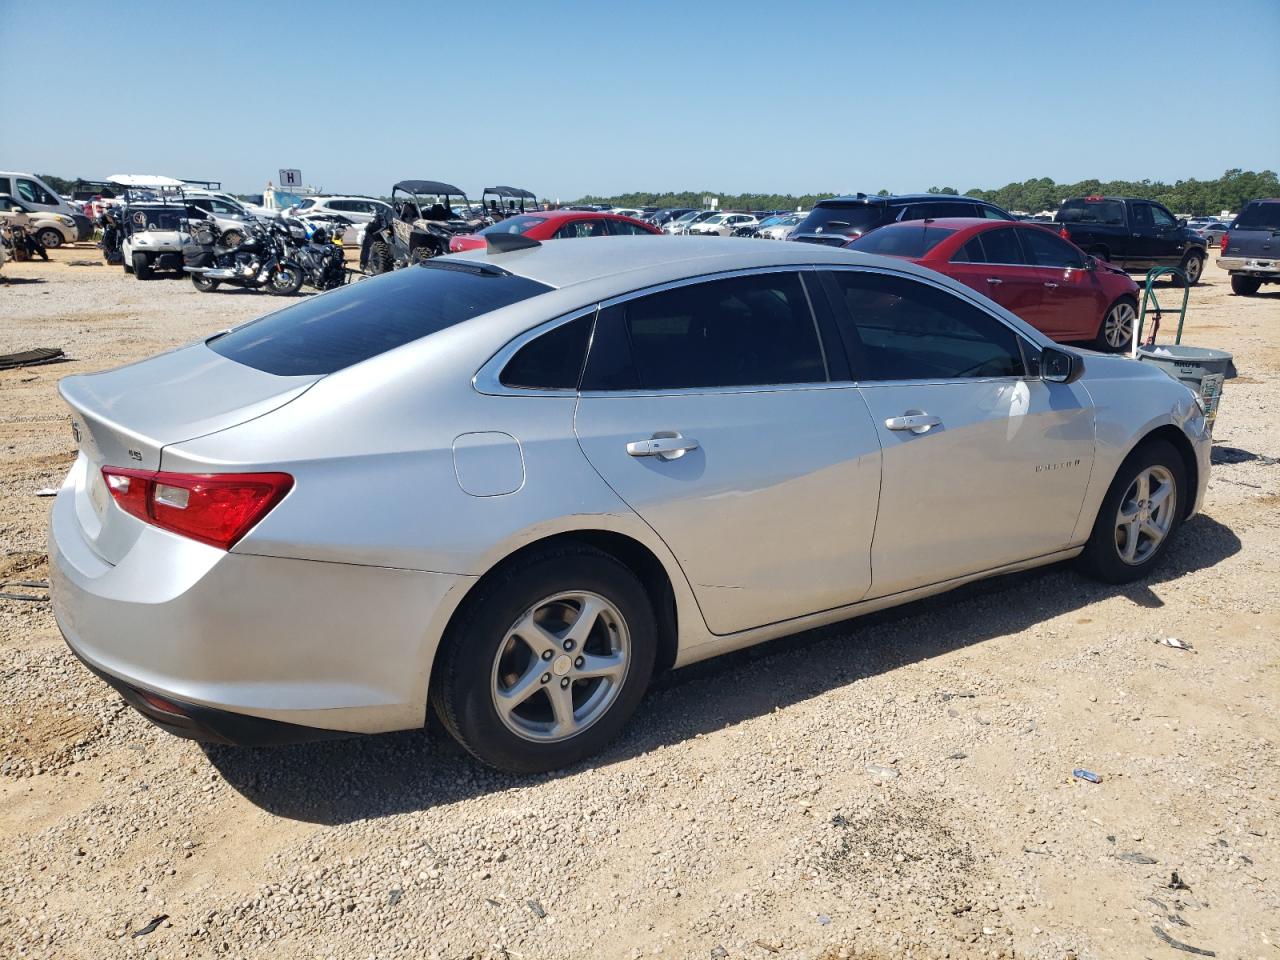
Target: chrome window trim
(488, 379)
(1019, 336)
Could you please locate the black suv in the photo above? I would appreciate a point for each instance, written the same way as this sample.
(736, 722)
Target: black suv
(837, 221)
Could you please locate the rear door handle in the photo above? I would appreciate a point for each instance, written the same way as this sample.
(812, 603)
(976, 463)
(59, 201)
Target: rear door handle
(1051, 286)
(664, 448)
(915, 422)
(994, 281)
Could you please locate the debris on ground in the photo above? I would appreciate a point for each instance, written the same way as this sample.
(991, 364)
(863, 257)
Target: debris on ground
(150, 927)
(32, 358)
(47, 492)
(1135, 857)
(536, 908)
(1176, 644)
(1081, 774)
(30, 585)
(1179, 945)
(84, 263)
(882, 772)
(1176, 883)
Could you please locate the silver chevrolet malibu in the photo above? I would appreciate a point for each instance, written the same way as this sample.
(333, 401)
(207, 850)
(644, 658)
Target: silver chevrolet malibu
(512, 484)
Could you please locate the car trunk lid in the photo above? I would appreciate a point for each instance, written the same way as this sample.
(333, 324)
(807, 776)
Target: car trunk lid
(126, 417)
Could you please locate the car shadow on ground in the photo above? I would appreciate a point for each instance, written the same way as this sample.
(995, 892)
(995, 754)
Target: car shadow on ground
(339, 781)
(18, 280)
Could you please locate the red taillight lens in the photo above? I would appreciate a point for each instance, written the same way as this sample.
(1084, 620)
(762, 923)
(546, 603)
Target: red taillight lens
(1222, 244)
(214, 508)
(1064, 233)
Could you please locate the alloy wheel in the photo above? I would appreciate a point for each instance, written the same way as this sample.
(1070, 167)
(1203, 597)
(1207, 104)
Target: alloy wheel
(1118, 326)
(561, 666)
(1193, 268)
(1146, 514)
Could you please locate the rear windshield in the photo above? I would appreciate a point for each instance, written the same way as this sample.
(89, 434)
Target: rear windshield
(907, 240)
(513, 225)
(364, 319)
(1110, 212)
(850, 218)
(1259, 216)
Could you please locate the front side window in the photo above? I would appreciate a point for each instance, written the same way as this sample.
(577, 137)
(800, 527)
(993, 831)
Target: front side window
(1001, 246)
(1161, 217)
(1142, 215)
(582, 228)
(32, 192)
(622, 228)
(1046, 250)
(755, 330)
(897, 328)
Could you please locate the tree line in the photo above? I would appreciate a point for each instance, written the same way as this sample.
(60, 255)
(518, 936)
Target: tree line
(1231, 192)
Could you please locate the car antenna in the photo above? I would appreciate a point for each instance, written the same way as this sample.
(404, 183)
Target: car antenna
(508, 242)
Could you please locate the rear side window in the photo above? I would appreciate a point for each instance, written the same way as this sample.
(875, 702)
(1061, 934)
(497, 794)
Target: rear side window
(905, 240)
(896, 328)
(552, 361)
(359, 321)
(742, 331)
(1109, 212)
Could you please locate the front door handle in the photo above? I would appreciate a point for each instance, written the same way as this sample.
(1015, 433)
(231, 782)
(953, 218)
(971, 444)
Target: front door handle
(915, 422)
(664, 448)
(995, 282)
(1051, 286)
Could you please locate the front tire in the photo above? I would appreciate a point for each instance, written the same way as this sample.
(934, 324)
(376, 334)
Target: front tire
(50, 238)
(379, 258)
(142, 266)
(1193, 267)
(285, 281)
(1139, 515)
(547, 661)
(1115, 333)
(1245, 286)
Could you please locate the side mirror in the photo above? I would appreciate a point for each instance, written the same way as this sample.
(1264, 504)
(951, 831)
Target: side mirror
(1059, 366)
(1182, 221)
(1090, 262)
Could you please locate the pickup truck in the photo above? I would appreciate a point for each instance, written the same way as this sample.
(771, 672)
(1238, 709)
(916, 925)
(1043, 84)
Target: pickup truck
(1251, 247)
(1132, 234)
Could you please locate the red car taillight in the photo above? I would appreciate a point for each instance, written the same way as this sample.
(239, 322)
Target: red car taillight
(1222, 244)
(214, 508)
(1064, 233)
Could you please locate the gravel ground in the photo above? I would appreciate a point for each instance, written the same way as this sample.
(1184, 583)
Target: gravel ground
(897, 786)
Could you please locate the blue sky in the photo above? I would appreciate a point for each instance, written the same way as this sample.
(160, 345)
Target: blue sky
(574, 98)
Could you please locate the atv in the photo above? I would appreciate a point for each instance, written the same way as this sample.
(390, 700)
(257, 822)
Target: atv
(423, 221)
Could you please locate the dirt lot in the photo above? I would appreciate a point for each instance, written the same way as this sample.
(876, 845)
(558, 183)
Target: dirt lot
(898, 786)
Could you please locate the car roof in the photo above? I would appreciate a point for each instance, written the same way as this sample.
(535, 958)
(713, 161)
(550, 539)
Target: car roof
(900, 198)
(631, 262)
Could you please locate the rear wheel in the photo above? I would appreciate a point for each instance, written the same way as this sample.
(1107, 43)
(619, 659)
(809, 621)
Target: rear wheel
(1115, 334)
(1245, 286)
(1193, 266)
(142, 266)
(1139, 515)
(50, 238)
(548, 660)
(203, 284)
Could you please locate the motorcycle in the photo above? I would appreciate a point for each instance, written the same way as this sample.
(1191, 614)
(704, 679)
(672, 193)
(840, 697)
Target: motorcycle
(320, 256)
(263, 258)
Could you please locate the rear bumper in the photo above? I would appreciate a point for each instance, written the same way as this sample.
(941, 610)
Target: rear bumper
(237, 638)
(1252, 266)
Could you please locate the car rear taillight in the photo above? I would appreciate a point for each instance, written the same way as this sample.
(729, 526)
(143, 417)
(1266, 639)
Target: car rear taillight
(214, 508)
(1222, 244)
(1064, 233)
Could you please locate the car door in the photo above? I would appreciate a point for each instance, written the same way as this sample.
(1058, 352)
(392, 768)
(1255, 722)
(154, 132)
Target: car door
(1072, 301)
(982, 464)
(994, 263)
(1140, 252)
(708, 408)
(1168, 239)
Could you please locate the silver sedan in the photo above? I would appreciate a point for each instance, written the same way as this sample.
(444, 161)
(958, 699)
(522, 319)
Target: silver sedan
(510, 485)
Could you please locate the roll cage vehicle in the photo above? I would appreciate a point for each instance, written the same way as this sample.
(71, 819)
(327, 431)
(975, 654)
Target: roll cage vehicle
(150, 226)
(421, 225)
(508, 202)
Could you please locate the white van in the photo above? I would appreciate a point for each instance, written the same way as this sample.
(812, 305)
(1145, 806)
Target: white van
(38, 195)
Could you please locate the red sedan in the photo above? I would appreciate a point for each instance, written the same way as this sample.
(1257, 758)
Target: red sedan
(1027, 269)
(556, 225)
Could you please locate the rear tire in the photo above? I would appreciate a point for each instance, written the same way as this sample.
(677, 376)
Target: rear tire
(1124, 545)
(204, 284)
(1193, 266)
(142, 266)
(379, 258)
(1115, 333)
(484, 658)
(1245, 286)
